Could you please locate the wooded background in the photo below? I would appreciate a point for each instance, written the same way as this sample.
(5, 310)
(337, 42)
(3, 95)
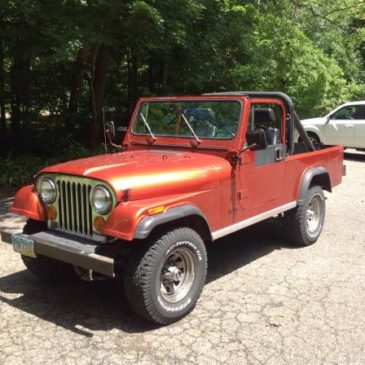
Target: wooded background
(62, 61)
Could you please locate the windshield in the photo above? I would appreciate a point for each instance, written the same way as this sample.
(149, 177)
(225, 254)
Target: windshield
(192, 118)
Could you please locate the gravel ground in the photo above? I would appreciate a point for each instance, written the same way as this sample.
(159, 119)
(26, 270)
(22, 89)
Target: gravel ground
(264, 303)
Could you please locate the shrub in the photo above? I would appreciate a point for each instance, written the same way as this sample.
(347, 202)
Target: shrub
(17, 170)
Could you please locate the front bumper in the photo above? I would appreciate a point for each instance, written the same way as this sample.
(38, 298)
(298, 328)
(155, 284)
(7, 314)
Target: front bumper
(76, 251)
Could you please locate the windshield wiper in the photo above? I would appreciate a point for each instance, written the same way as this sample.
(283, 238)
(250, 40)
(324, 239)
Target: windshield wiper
(191, 128)
(147, 126)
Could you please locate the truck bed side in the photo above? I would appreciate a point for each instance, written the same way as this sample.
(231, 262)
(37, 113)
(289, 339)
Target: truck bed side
(330, 158)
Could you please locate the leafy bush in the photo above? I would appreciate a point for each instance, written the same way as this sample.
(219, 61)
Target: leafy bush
(17, 170)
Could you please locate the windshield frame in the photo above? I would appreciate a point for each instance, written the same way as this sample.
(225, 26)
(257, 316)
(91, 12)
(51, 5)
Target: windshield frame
(202, 139)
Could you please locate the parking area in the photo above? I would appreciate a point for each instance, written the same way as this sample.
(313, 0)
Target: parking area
(264, 303)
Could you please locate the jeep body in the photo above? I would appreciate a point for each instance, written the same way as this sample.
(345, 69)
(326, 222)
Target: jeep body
(193, 169)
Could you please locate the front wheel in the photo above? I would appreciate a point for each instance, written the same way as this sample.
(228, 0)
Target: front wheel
(163, 280)
(304, 224)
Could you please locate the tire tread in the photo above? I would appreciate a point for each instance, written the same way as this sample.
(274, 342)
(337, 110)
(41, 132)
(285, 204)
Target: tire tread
(139, 271)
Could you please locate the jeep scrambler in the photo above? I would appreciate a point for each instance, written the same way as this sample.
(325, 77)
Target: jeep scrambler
(193, 169)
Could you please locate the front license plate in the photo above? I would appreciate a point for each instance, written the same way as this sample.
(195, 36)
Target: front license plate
(23, 245)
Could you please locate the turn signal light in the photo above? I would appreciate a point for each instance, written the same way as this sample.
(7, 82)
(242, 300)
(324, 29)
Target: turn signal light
(156, 210)
(52, 213)
(99, 223)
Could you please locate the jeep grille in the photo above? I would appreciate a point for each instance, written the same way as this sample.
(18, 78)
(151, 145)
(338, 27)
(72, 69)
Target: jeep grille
(74, 208)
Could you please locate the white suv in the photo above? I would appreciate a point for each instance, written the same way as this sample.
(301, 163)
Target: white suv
(345, 126)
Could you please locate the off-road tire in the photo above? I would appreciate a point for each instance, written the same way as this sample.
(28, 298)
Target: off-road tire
(145, 272)
(46, 268)
(300, 230)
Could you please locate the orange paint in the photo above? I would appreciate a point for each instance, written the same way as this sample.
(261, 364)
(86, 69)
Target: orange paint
(171, 171)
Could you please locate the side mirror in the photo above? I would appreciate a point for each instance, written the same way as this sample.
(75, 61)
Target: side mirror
(110, 128)
(256, 139)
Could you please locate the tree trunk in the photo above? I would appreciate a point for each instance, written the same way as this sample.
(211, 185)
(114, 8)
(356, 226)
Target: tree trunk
(101, 61)
(164, 76)
(76, 87)
(2, 89)
(133, 78)
(15, 97)
(151, 75)
(19, 82)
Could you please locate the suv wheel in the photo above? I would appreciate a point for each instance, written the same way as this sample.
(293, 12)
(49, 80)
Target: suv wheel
(304, 223)
(312, 137)
(163, 280)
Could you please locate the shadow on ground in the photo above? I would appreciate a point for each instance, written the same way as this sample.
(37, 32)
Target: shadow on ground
(7, 219)
(85, 307)
(355, 156)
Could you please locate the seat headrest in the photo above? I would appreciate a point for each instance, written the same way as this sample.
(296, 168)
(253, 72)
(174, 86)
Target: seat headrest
(265, 115)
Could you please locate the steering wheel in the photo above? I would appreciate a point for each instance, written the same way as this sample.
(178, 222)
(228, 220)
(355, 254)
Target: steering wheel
(209, 129)
(225, 129)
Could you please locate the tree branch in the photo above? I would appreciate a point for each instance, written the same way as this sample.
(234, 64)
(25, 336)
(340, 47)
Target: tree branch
(344, 8)
(325, 17)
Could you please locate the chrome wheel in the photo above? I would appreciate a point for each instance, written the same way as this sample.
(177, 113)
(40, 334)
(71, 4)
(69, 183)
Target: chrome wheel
(313, 214)
(177, 275)
(313, 139)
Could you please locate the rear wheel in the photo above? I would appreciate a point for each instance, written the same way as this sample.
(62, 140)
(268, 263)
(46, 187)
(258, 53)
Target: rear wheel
(304, 224)
(312, 137)
(46, 268)
(163, 280)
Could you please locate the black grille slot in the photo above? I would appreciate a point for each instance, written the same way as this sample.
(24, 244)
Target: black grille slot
(74, 208)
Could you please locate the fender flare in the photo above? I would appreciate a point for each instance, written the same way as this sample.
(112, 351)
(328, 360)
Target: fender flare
(307, 179)
(147, 224)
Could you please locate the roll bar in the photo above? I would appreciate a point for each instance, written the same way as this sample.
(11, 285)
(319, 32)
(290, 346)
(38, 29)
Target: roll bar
(293, 116)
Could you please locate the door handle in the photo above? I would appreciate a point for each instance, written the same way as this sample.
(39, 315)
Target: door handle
(349, 125)
(278, 154)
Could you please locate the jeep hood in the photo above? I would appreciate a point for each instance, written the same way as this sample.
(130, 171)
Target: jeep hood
(147, 174)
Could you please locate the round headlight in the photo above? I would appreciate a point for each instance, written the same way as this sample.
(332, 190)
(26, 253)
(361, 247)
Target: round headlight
(47, 190)
(101, 199)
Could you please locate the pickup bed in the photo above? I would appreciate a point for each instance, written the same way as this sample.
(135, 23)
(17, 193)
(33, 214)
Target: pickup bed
(192, 170)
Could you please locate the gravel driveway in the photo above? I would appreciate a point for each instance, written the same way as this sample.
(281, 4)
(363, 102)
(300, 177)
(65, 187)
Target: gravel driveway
(264, 303)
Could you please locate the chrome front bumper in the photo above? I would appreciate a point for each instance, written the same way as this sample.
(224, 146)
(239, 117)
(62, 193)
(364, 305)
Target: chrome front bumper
(76, 251)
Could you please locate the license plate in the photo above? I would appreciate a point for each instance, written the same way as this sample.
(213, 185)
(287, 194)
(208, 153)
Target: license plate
(23, 245)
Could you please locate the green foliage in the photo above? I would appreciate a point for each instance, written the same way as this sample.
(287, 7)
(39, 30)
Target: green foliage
(18, 169)
(69, 58)
(38, 147)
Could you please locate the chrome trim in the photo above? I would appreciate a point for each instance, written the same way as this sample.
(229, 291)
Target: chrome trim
(109, 197)
(54, 189)
(250, 221)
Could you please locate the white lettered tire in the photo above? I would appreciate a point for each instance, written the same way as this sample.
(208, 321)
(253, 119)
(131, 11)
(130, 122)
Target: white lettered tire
(304, 223)
(164, 278)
